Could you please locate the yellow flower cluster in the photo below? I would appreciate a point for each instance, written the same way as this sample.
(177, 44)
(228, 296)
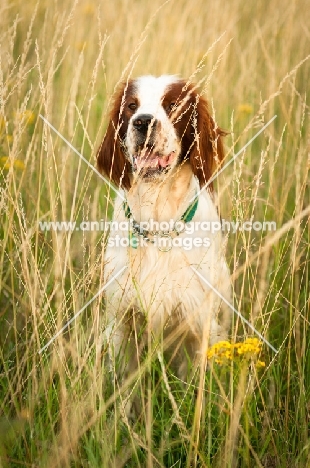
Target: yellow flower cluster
(224, 351)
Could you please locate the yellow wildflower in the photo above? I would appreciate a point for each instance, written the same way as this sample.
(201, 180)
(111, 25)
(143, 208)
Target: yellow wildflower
(260, 364)
(26, 115)
(250, 345)
(219, 361)
(219, 348)
(245, 109)
(6, 163)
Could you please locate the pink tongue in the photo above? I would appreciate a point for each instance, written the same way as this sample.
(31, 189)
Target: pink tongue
(154, 161)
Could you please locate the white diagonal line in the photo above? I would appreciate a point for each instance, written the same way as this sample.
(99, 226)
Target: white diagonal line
(82, 157)
(233, 158)
(83, 308)
(234, 310)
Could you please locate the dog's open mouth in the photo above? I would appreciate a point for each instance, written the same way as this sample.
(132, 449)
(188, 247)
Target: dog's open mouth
(149, 163)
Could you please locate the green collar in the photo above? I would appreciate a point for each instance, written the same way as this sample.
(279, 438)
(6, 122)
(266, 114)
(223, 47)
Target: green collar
(186, 217)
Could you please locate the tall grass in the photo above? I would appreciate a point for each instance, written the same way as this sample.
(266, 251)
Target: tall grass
(62, 408)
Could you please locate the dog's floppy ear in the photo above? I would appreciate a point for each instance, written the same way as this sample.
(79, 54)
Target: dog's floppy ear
(207, 152)
(110, 157)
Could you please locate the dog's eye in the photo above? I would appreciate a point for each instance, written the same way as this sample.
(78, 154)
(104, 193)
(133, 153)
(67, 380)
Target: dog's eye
(172, 106)
(132, 106)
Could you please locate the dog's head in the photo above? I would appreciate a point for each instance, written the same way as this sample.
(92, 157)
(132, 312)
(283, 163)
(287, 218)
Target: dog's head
(155, 125)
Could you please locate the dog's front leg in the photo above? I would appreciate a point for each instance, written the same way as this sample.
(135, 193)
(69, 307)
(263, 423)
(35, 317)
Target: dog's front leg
(125, 347)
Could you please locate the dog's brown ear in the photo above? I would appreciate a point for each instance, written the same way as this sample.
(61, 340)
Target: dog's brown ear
(111, 160)
(110, 157)
(207, 152)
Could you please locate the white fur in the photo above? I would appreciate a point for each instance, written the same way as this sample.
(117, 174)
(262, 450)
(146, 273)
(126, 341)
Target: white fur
(162, 284)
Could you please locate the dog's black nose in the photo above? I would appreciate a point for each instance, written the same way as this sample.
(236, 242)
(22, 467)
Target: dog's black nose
(142, 122)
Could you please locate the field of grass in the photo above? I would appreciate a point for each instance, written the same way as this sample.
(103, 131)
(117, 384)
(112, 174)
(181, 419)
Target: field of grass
(63, 59)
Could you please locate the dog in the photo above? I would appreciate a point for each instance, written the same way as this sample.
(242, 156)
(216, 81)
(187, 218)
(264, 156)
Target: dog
(161, 149)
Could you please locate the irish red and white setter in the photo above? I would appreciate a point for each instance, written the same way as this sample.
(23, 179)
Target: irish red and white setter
(160, 149)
